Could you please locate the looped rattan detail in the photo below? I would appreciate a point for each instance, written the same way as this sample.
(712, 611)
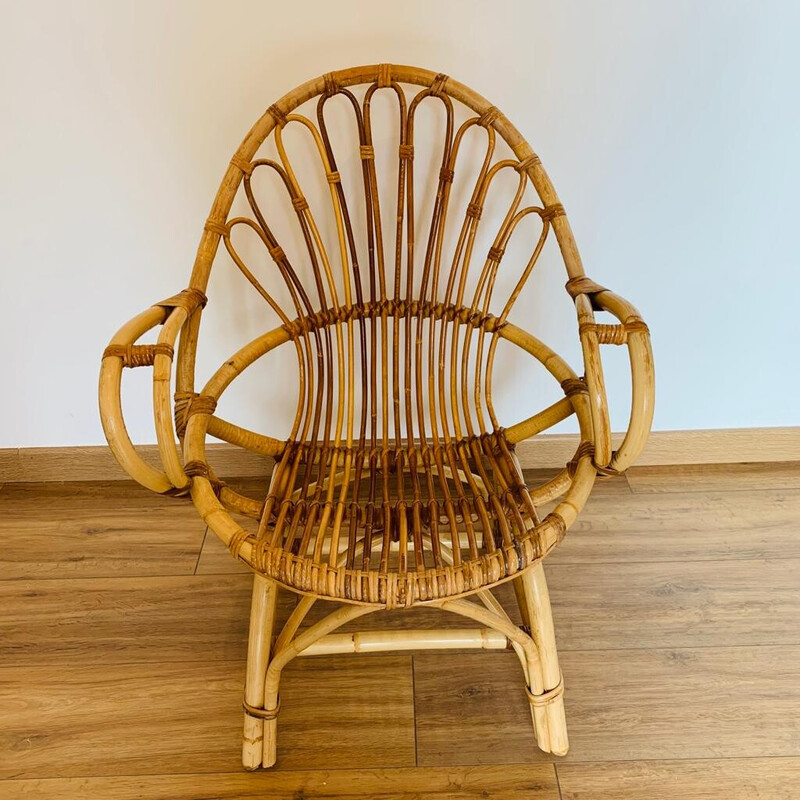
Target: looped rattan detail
(397, 309)
(242, 164)
(188, 299)
(583, 285)
(606, 334)
(262, 713)
(438, 85)
(546, 698)
(217, 227)
(182, 403)
(527, 163)
(201, 404)
(137, 355)
(573, 386)
(188, 403)
(614, 334)
(636, 325)
(277, 254)
(384, 78)
(331, 86)
(558, 525)
(195, 468)
(585, 450)
(488, 116)
(549, 213)
(278, 115)
(238, 540)
(608, 472)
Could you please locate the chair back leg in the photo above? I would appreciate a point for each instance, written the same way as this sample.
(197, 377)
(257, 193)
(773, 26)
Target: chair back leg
(547, 702)
(262, 619)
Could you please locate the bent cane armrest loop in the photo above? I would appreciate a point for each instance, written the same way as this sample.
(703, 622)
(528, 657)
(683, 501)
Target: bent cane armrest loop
(633, 332)
(182, 307)
(640, 355)
(123, 352)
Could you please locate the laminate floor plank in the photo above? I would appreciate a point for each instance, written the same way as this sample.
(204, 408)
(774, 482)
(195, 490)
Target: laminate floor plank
(675, 604)
(129, 719)
(715, 477)
(53, 495)
(512, 782)
(125, 620)
(685, 526)
(621, 705)
(95, 529)
(708, 779)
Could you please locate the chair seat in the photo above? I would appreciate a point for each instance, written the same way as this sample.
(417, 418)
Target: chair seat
(397, 525)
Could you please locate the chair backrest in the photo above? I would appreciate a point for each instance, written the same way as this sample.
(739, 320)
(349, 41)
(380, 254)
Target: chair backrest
(395, 323)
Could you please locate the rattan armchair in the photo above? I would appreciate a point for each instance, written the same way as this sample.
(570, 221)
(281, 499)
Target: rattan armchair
(397, 485)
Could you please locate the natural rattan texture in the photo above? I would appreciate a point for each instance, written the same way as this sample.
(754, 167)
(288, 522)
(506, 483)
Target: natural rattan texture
(397, 483)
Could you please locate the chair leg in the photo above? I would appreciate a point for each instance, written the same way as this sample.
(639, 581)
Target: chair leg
(262, 618)
(547, 702)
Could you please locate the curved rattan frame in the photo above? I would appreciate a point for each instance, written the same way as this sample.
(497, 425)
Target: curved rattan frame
(184, 419)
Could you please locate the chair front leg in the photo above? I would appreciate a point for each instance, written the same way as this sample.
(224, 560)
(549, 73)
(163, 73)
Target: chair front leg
(547, 707)
(262, 619)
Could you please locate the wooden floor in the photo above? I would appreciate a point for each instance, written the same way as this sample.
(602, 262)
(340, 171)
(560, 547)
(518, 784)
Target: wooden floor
(677, 606)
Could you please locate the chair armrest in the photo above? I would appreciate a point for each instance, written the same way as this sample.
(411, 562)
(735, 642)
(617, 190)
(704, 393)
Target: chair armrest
(631, 331)
(123, 352)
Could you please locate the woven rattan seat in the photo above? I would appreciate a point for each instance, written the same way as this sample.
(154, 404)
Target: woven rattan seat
(395, 511)
(397, 482)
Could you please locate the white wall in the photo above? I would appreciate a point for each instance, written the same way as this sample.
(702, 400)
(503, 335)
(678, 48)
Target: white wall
(669, 129)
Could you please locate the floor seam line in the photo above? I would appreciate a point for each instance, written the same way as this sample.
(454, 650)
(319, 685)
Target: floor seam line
(200, 551)
(396, 768)
(414, 708)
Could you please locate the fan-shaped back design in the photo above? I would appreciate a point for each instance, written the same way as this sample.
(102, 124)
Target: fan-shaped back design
(400, 321)
(394, 335)
(384, 354)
